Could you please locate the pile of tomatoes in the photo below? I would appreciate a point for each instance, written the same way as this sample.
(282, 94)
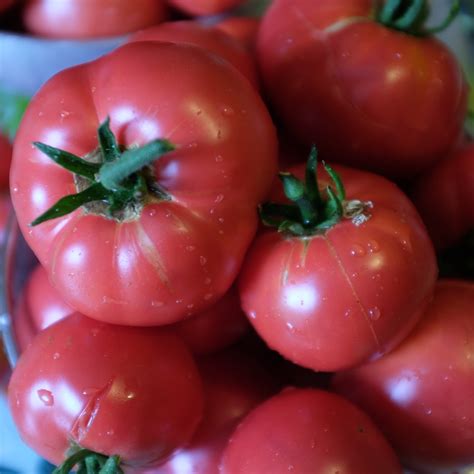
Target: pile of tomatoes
(238, 229)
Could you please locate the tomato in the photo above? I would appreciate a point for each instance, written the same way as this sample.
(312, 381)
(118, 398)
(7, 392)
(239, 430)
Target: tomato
(4, 4)
(132, 392)
(421, 394)
(369, 96)
(234, 383)
(444, 197)
(305, 431)
(211, 39)
(204, 7)
(78, 19)
(169, 257)
(5, 160)
(335, 297)
(5, 209)
(215, 328)
(242, 28)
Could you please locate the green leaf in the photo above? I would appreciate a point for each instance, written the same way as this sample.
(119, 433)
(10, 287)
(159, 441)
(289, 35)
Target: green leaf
(111, 466)
(340, 190)
(311, 178)
(12, 109)
(70, 203)
(108, 143)
(292, 186)
(69, 161)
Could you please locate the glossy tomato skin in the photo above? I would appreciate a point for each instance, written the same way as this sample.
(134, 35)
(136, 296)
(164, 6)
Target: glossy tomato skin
(368, 96)
(214, 329)
(352, 293)
(211, 39)
(242, 28)
(204, 7)
(421, 394)
(5, 161)
(444, 196)
(307, 431)
(140, 402)
(79, 19)
(179, 256)
(234, 383)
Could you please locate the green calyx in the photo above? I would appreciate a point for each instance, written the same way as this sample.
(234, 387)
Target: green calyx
(121, 181)
(89, 462)
(410, 16)
(312, 211)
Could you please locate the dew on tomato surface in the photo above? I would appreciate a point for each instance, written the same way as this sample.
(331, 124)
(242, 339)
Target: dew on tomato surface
(357, 250)
(190, 306)
(190, 248)
(228, 111)
(219, 198)
(374, 313)
(208, 296)
(252, 315)
(202, 260)
(152, 212)
(178, 301)
(219, 158)
(157, 304)
(290, 327)
(46, 397)
(373, 246)
(89, 391)
(56, 356)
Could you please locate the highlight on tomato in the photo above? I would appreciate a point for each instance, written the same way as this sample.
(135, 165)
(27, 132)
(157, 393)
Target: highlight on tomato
(94, 393)
(303, 431)
(136, 178)
(365, 80)
(420, 395)
(345, 271)
(84, 19)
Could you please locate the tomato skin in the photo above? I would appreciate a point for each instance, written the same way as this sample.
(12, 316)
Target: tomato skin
(78, 19)
(368, 96)
(73, 385)
(4, 4)
(5, 161)
(204, 7)
(242, 28)
(211, 39)
(421, 394)
(337, 299)
(216, 177)
(215, 328)
(444, 196)
(308, 431)
(234, 383)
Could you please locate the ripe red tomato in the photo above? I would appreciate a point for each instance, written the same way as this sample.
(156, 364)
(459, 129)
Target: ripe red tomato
(445, 197)
(337, 297)
(211, 39)
(77, 19)
(5, 160)
(215, 328)
(234, 383)
(305, 431)
(175, 256)
(421, 395)
(132, 392)
(204, 7)
(369, 96)
(242, 28)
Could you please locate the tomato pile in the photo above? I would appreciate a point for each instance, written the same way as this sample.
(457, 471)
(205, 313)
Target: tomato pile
(239, 229)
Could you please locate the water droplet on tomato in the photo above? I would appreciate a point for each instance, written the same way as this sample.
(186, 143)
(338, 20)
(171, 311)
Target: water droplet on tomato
(190, 306)
(190, 248)
(228, 111)
(290, 327)
(152, 212)
(374, 313)
(357, 251)
(178, 301)
(89, 391)
(219, 159)
(347, 313)
(157, 304)
(252, 315)
(374, 246)
(110, 432)
(208, 296)
(46, 397)
(219, 198)
(56, 356)
(221, 220)
(428, 411)
(202, 260)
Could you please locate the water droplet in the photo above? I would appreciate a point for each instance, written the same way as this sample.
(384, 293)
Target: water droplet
(190, 306)
(374, 313)
(211, 211)
(357, 251)
(152, 212)
(93, 89)
(313, 444)
(46, 397)
(290, 326)
(374, 246)
(221, 220)
(348, 313)
(56, 355)
(228, 111)
(192, 145)
(219, 158)
(89, 391)
(252, 315)
(130, 395)
(178, 301)
(190, 248)
(219, 198)
(202, 260)
(157, 304)
(208, 296)
(110, 432)
(291, 467)
(15, 189)
(207, 281)
(428, 411)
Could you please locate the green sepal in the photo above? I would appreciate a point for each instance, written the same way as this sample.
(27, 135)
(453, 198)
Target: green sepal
(108, 143)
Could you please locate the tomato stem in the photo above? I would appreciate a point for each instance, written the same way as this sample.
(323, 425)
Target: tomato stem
(410, 16)
(119, 181)
(90, 462)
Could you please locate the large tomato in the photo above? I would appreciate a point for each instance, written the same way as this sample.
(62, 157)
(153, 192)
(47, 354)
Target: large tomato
(204, 7)
(308, 431)
(211, 39)
(337, 293)
(234, 383)
(445, 197)
(5, 160)
(421, 395)
(368, 95)
(114, 390)
(76, 19)
(177, 249)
